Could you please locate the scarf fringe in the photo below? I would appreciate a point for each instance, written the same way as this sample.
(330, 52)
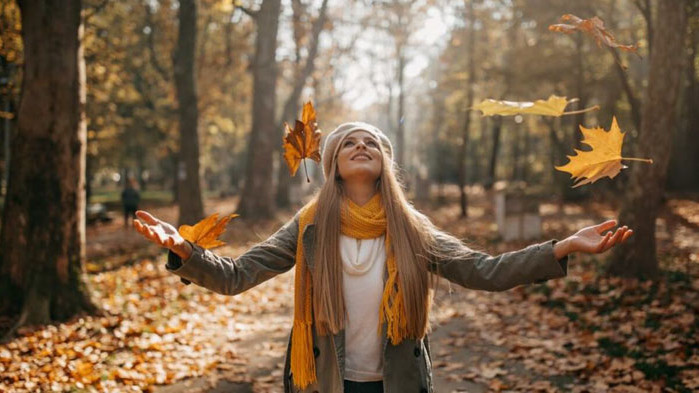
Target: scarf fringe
(393, 312)
(303, 365)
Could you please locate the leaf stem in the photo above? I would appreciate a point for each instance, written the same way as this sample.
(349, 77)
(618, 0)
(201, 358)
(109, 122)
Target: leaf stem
(590, 109)
(648, 160)
(305, 170)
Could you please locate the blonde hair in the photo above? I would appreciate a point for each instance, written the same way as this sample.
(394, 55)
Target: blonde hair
(411, 235)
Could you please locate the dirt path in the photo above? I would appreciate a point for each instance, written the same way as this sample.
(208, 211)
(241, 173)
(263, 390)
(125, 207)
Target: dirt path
(480, 341)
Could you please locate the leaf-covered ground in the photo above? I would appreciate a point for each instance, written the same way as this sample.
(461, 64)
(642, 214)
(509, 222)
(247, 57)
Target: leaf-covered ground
(583, 333)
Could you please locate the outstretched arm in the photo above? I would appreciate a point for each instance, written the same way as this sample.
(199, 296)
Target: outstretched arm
(226, 275)
(457, 263)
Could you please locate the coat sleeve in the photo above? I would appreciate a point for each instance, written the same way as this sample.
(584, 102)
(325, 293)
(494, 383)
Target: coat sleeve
(231, 276)
(459, 264)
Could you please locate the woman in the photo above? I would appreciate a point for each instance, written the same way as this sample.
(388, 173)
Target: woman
(365, 263)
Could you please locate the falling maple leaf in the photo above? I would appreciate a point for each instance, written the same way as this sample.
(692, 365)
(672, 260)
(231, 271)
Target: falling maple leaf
(205, 232)
(303, 141)
(594, 27)
(603, 160)
(553, 106)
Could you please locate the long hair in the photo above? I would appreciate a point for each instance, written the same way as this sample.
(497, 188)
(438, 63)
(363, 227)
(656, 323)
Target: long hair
(411, 240)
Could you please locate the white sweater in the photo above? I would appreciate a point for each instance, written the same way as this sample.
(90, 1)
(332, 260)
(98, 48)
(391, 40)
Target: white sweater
(363, 263)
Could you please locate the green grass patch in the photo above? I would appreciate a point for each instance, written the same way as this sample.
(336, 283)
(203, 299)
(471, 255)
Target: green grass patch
(113, 197)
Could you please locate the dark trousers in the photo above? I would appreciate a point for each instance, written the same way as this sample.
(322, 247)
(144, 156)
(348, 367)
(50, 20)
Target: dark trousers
(129, 211)
(363, 387)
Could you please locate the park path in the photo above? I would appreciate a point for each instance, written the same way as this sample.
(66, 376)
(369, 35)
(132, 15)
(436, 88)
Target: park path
(481, 341)
(259, 349)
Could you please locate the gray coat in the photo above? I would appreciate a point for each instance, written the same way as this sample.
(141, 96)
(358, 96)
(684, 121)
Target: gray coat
(407, 367)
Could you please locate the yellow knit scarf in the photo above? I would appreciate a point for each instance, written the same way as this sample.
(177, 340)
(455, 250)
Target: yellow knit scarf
(361, 222)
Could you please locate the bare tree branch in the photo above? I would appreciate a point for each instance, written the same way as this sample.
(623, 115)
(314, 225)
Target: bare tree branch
(645, 7)
(249, 12)
(630, 95)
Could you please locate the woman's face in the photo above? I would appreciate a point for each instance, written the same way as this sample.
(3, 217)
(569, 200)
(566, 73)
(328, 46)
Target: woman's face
(359, 157)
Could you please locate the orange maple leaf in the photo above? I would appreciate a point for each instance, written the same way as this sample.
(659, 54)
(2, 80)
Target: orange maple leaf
(303, 141)
(205, 232)
(593, 27)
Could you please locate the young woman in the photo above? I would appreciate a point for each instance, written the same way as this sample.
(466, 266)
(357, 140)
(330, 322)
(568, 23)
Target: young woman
(365, 264)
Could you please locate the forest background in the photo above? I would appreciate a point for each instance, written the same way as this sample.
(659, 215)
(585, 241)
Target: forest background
(188, 99)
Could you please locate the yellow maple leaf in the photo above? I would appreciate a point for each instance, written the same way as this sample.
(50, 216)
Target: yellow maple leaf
(603, 160)
(205, 232)
(553, 106)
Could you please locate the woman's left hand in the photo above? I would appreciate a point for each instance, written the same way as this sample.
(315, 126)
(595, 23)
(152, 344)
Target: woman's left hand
(591, 240)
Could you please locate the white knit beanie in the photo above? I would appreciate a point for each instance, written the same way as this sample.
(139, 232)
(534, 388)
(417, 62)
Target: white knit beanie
(332, 142)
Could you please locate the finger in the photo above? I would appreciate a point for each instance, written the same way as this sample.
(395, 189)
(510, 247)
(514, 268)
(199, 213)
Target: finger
(139, 227)
(624, 231)
(627, 235)
(158, 238)
(144, 230)
(161, 233)
(153, 236)
(603, 243)
(612, 241)
(617, 235)
(147, 217)
(605, 225)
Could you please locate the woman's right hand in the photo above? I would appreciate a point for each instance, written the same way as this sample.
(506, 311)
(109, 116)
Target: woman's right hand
(162, 234)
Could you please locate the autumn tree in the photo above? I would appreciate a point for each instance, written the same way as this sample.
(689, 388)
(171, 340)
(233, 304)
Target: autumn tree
(468, 102)
(43, 227)
(643, 198)
(10, 59)
(257, 199)
(189, 186)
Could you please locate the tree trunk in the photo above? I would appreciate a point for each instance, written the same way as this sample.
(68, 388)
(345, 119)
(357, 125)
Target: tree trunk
(684, 160)
(400, 132)
(43, 231)
(291, 107)
(172, 159)
(257, 199)
(581, 84)
(516, 144)
(189, 185)
(495, 147)
(461, 161)
(637, 257)
(7, 131)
